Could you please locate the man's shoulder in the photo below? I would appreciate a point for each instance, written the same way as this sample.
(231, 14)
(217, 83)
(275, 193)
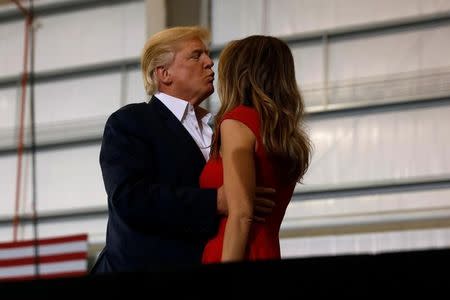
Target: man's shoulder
(131, 110)
(131, 107)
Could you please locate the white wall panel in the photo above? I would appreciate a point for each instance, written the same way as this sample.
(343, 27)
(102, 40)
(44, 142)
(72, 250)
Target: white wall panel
(309, 72)
(8, 6)
(350, 12)
(387, 54)
(90, 36)
(434, 47)
(8, 182)
(367, 243)
(132, 28)
(6, 233)
(11, 48)
(234, 19)
(433, 6)
(135, 91)
(376, 209)
(373, 207)
(76, 38)
(77, 99)
(308, 60)
(64, 109)
(375, 55)
(287, 17)
(292, 16)
(94, 227)
(389, 145)
(8, 165)
(69, 178)
(9, 110)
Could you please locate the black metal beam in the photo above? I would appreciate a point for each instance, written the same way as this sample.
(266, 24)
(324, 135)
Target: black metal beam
(373, 188)
(82, 71)
(382, 27)
(64, 215)
(376, 108)
(59, 8)
(12, 150)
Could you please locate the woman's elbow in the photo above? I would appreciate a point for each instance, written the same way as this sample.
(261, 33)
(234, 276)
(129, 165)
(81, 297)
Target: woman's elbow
(243, 217)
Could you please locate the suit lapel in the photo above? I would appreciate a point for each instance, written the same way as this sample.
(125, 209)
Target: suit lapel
(177, 129)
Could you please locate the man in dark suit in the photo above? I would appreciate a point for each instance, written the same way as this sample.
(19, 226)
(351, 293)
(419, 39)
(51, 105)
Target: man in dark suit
(151, 158)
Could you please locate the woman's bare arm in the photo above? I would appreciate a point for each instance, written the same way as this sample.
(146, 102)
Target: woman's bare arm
(237, 150)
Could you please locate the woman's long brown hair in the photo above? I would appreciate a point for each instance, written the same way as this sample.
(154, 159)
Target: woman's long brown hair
(259, 71)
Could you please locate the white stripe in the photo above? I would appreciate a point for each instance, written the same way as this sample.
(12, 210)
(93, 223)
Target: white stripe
(67, 247)
(66, 266)
(16, 271)
(79, 246)
(16, 252)
(45, 269)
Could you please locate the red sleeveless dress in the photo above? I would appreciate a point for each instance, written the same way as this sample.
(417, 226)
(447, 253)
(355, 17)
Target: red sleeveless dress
(263, 242)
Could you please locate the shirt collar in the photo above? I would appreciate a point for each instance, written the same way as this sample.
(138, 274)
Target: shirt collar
(180, 107)
(176, 105)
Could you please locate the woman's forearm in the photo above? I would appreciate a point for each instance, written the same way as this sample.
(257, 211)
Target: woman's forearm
(235, 239)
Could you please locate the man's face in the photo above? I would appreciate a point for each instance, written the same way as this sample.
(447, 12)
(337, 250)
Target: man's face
(191, 72)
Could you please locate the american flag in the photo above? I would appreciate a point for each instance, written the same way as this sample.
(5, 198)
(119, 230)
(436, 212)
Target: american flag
(61, 256)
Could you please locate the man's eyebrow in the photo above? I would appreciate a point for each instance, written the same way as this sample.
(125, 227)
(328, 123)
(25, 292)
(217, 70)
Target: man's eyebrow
(200, 50)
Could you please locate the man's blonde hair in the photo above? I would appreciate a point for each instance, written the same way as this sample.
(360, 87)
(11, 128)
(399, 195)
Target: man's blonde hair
(160, 50)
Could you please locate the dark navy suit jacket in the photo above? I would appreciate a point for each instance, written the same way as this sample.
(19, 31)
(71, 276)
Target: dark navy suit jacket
(158, 215)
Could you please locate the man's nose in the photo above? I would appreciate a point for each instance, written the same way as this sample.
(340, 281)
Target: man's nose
(209, 62)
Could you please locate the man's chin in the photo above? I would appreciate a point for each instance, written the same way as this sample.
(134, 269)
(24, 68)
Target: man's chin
(210, 92)
(205, 96)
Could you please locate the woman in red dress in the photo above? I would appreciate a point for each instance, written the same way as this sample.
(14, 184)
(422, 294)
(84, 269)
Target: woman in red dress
(259, 140)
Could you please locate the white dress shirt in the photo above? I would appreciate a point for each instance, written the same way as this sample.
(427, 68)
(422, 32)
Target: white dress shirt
(200, 131)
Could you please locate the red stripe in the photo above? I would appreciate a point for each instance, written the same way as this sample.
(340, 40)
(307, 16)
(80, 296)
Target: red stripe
(42, 259)
(45, 276)
(47, 241)
(63, 274)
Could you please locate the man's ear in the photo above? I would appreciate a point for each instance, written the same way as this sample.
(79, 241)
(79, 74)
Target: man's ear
(163, 75)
